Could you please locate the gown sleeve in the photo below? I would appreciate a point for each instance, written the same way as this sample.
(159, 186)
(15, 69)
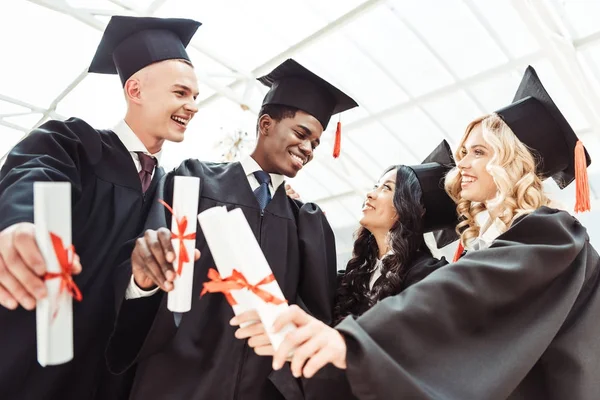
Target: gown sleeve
(475, 328)
(49, 153)
(317, 283)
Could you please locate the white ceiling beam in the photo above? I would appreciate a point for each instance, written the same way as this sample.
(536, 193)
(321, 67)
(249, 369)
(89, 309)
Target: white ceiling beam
(437, 56)
(418, 100)
(32, 110)
(483, 22)
(13, 126)
(89, 19)
(329, 29)
(52, 108)
(550, 32)
(155, 5)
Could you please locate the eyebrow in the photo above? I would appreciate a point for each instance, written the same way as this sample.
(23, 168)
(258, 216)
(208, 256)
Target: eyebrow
(307, 132)
(186, 88)
(475, 146)
(389, 181)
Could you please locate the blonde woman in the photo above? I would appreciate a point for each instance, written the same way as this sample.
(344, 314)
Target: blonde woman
(518, 317)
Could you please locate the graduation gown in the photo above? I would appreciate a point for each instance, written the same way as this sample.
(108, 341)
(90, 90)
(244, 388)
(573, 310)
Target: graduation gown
(202, 359)
(518, 320)
(331, 383)
(108, 209)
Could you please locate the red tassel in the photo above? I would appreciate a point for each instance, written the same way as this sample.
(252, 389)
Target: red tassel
(459, 250)
(582, 185)
(338, 140)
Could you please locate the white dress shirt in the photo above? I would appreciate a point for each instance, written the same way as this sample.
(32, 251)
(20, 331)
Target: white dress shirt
(377, 271)
(249, 166)
(488, 231)
(133, 144)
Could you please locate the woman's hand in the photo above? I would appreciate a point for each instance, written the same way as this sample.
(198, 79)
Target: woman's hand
(313, 344)
(254, 331)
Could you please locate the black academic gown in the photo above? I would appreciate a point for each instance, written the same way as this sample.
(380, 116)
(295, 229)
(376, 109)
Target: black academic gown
(519, 320)
(201, 359)
(331, 383)
(108, 209)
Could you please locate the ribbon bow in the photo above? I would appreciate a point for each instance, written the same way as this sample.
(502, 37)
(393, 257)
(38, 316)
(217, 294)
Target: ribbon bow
(65, 261)
(180, 234)
(238, 281)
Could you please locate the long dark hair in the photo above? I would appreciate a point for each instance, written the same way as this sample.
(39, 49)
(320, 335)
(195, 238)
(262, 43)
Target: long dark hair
(406, 240)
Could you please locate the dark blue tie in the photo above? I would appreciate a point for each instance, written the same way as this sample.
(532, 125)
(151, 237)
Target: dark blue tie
(262, 193)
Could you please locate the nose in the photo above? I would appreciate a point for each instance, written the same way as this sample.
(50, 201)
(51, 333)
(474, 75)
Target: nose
(191, 107)
(464, 163)
(372, 194)
(306, 148)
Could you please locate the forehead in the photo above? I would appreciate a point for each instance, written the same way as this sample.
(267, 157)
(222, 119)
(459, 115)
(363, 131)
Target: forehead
(389, 176)
(475, 137)
(174, 72)
(307, 120)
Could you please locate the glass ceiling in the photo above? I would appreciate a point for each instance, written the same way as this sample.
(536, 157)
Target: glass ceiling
(420, 70)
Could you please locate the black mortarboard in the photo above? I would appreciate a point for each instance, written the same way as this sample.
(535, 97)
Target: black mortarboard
(293, 85)
(132, 43)
(539, 124)
(440, 210)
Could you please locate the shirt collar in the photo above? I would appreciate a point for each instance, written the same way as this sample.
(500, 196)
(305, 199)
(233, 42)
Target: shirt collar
(485, 238)
(131, 142)
(250, 166)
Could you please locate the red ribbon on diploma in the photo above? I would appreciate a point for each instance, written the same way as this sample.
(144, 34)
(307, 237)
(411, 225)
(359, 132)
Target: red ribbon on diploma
(65, 261)
(235, 282)
(180, 234)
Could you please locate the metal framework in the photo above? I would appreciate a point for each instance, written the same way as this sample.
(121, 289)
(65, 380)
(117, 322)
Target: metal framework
(542, 19)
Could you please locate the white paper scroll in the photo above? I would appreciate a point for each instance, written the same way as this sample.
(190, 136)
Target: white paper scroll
(214, 224)
(185, 205)
(234, 246)
(54, 314)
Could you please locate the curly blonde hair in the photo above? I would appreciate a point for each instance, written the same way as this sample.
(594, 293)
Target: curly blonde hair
(513, 169)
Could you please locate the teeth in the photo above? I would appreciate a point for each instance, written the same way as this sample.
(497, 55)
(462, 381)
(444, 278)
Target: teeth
(180, 120)
(297, 158)
(468, 179)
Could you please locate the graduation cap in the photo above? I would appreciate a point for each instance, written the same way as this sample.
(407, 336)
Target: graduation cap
(293, 85)
(132, 43)
(539, 124)
(440, 210)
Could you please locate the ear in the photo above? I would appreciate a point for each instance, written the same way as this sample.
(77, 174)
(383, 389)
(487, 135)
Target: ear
(133, 91)
(265, 124)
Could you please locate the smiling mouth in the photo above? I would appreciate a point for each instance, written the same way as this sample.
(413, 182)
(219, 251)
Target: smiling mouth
(368, 207)
(180, 120)
(300, 160)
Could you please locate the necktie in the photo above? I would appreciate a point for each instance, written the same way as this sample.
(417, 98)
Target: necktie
(148, 163)
(262, 193)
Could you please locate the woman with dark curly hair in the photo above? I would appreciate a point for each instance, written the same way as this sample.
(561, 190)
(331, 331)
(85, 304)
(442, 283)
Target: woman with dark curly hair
(389, 251)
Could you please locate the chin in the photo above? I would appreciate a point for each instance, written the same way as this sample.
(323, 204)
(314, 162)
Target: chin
(175, 137)
(363, 221)
(291, 174)
(472, 197)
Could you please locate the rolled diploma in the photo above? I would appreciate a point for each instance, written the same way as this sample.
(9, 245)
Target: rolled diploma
(217, 232)
(254, 266)
(54, 313)
(185, 204)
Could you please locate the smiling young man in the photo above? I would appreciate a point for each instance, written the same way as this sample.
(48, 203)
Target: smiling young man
(196, 356)
(112, 175)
